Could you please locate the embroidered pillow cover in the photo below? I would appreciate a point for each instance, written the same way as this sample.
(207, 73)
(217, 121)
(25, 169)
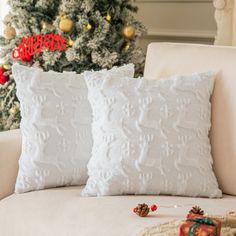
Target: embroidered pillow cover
(55, 127)
(151, 137)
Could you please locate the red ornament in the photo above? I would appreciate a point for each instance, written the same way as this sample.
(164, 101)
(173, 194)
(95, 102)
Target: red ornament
(135, 210)
(153, 207)
(3, 78)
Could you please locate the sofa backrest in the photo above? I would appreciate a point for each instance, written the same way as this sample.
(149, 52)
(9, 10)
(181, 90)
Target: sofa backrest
(164, 59)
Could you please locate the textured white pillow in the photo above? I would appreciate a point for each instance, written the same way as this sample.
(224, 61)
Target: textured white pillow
(151, 137)
(55, 126)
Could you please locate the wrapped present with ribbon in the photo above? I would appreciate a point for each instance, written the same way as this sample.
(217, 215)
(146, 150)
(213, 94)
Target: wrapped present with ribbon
(198, 225)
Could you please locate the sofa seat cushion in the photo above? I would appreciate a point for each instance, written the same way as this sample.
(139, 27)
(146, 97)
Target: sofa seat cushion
(63, 212)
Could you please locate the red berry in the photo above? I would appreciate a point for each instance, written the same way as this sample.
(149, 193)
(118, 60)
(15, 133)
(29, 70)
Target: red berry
(3, 78)
(153, 207)
(135, 210)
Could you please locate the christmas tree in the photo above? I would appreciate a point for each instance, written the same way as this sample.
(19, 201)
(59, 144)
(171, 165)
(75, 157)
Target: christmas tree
(99, 34)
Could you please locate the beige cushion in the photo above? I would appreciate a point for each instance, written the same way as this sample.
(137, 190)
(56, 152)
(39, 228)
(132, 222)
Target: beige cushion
(10, 149)
(166, 59)
(61, 212)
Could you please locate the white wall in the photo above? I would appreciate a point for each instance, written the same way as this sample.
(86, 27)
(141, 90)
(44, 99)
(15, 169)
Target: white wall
(3, 11)
(177, 20)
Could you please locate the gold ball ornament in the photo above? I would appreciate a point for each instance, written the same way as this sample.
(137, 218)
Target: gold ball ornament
(6, 66)
(89, 27)
(66, 24)
(108, 17)
(129, 31)
(71, 42)
(10, 32)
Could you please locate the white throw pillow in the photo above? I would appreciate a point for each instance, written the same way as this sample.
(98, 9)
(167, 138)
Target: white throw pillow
(55, 126)
(151, 137)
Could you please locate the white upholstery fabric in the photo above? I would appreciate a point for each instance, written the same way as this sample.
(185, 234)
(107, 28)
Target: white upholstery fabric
(63, 212)
(151, 137)
(10, 149)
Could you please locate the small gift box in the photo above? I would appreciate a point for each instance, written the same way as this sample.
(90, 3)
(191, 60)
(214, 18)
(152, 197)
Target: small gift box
(198, 225)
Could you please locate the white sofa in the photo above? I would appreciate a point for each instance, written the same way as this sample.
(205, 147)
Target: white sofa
(63, 212)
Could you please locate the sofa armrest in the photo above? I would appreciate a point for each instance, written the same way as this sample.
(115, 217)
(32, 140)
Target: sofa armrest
(10, 150)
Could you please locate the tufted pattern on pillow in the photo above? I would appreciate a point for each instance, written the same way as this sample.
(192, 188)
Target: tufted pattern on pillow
(55, 126)
(151, 137)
